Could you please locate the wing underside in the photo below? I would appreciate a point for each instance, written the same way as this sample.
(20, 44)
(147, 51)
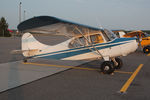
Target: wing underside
(53, 25)
(56, 26)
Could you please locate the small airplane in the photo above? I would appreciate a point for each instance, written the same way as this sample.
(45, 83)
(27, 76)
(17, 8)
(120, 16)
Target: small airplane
(142, 38)
(85, 42)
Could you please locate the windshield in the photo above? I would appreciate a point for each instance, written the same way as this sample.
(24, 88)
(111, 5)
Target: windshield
(110, 34)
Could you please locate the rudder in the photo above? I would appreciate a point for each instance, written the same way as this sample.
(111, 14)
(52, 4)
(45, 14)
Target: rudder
(30, 45)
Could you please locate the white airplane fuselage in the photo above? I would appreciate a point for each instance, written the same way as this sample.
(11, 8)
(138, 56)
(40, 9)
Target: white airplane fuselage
(117, 47)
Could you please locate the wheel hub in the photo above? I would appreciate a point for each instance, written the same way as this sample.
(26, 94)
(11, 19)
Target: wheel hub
(147, 50)
(106, 68)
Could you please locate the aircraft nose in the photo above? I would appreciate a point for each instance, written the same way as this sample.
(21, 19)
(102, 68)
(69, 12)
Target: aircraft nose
(130, 47)
(135, 43)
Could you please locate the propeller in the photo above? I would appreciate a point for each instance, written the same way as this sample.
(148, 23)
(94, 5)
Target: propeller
(140, 40)
(140, 46)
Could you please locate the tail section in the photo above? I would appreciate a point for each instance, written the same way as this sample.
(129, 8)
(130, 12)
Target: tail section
(31, 46)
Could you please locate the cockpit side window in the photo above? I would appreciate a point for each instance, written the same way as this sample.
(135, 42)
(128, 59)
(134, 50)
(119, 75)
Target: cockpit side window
(77, 42)
(96, 38)
(81, 41)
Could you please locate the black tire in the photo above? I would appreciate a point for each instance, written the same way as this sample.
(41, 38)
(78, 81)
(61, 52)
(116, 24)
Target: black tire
(146, 49)
(119, 63)
(107, 67)
(25, 60)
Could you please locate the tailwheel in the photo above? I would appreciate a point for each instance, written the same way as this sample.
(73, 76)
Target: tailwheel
(146, 49)
(117, 63)
(107, 67)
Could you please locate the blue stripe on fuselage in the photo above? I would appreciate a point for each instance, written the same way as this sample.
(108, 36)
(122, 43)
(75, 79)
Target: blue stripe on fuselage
(115, 41)
(65, 53)
(69, 54)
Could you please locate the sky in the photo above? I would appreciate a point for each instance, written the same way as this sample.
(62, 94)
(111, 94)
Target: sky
(110, 14)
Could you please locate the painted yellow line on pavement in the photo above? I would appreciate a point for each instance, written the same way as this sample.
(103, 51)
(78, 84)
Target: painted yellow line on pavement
(62, 66)
(148, 54)
(129, 81)
(123, 72)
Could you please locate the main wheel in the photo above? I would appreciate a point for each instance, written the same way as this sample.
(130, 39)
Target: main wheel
(107, 67)
(24, 60)
(117, 63)
(146, 49)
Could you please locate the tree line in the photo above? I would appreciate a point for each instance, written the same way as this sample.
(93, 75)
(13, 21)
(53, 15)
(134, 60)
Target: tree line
(4, 28)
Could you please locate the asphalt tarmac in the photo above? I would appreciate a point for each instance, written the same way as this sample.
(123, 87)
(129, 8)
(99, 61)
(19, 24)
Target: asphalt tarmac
(81, 84)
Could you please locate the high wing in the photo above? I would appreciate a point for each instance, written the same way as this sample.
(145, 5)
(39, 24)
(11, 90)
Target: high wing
(53, 25)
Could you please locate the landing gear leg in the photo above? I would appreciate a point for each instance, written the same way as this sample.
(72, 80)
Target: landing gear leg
(109, 65)
(117, 63)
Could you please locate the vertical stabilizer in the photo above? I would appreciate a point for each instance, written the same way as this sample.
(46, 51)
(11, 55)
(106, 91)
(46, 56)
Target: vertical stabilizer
(30, 45)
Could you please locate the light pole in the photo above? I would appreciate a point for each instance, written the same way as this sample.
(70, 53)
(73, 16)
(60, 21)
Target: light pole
(20, 12)
(24, 15)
